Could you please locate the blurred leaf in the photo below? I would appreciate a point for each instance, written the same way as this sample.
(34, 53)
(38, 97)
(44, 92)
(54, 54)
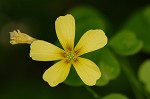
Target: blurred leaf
(89, 24)
(115, 96)
(109, 67)
(126, 43)
(144, 73)
(84, 13)
(87, 18)
(139, 23)
(104, 80)
(148, 87)
(73, 79)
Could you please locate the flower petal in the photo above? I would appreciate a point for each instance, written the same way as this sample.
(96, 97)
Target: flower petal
(87, 70)
(90, 41)
(65, 30)
(44, 51)
(57, 73)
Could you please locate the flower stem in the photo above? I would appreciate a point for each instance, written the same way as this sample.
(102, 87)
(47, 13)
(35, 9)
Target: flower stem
(139, 91)
(95, 95)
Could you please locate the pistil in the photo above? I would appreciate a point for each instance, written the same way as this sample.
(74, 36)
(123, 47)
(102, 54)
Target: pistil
(70, 56)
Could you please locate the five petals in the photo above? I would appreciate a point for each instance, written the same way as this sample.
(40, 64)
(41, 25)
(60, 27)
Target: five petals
(87, 70)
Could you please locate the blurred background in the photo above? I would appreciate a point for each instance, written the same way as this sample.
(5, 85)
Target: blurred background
(21, 77)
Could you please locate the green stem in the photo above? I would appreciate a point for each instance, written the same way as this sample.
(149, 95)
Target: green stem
(135, 84)
(95, 95)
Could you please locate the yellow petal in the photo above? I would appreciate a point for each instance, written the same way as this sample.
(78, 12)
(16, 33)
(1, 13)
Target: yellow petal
(90, 41)
(44, 51)
(57, 73)
(87, 70)
(65, 30)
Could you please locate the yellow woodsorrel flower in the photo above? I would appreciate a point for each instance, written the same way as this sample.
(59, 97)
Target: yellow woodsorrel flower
(65, 30)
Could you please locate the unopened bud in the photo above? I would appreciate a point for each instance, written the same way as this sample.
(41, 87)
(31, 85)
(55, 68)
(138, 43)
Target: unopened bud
(16, 37)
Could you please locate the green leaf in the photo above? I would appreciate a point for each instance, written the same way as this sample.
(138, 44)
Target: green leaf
(88, 18)
(104, 80)
(109, 67)
(126, 43)
(84, 13)
(115, 96)
(84, 26)
(139, 23)
(144, 72)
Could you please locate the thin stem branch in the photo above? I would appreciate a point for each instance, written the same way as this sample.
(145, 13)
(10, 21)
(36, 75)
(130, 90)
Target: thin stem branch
(95, 95)
(139, 91)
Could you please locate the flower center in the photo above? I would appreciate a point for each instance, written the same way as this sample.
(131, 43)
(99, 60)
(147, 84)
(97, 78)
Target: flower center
(70, 56)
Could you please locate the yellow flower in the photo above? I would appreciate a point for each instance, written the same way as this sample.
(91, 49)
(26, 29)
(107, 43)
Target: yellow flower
(16, 37)
(65, 30)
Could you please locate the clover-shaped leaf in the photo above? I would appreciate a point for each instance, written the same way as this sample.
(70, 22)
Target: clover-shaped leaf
(115, 96)
(144, 73)
(139, 23)
(109, 67)
(126, 43)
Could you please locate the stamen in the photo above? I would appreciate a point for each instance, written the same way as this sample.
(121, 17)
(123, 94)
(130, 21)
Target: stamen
(16, 37)
(70, 56)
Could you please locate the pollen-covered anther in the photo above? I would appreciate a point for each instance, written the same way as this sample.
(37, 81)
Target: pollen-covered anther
(16, 37)
(70, 56)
